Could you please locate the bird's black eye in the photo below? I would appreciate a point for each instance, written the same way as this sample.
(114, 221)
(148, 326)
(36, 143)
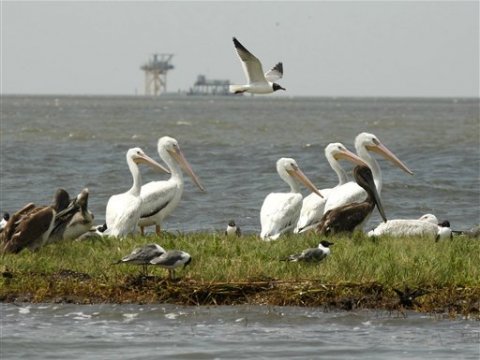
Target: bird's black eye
(375, 141)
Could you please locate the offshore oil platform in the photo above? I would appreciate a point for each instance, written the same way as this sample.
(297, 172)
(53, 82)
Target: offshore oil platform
(156, 70)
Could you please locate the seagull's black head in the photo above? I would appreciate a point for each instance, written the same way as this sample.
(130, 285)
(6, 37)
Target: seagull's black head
(326, 243)
(231, 223)
(276, 87)
(444, 223)
(6, 216)
(102, 228)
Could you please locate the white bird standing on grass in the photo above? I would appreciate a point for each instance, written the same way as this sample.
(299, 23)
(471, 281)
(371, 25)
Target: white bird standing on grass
(258, 82)
(160, 198)
(313, 205)
(123, 210)
(233, 229)
(280, 211)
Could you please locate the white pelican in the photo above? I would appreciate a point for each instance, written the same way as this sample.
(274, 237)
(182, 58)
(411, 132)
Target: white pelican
(313, 254)
(31, 226)
(123, 210)
(313, 205)
(258, 83)
(351, 191)
(280, 211)
(348, 217)
(426, 226)
(160, 198)
(233, 229)
(171, 260)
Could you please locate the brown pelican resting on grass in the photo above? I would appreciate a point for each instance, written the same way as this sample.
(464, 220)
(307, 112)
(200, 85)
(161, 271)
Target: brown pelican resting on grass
(74, 224)
(347, 218)
(311, 255)
(426, 226)
(123, 210)
(171, 260)
(142, 255)
(313, 205)
(233, 229)
(160, 198)
(280, 211)
(31, 226)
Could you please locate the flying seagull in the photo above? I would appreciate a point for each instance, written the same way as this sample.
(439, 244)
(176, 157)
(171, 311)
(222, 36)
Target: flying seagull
(258, 82)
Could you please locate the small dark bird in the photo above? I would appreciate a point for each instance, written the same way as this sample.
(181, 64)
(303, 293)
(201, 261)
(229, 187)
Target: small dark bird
(142, 255)
(407, 296)
(171, 260)
(347, 217)
(444, 231)
(313, 254)
(31, 226)
(3, 222)
(233, 229)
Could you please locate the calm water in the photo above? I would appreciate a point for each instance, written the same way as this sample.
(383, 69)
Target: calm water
(228, 332)
(233, 144)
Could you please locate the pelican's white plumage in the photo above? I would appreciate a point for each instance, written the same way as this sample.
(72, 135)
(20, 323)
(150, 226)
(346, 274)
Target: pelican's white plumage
(258, 82)
(351, 192)
(280, 211)
(425, 226)
(313, 205)
(123, 210)
(160, 198)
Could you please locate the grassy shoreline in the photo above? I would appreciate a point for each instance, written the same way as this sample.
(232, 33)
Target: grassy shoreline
(360, 273)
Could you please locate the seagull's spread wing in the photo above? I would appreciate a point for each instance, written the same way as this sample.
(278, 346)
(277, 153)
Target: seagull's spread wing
(251, 65)
(274, 73)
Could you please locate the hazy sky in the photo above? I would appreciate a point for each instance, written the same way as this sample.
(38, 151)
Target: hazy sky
(328, 48)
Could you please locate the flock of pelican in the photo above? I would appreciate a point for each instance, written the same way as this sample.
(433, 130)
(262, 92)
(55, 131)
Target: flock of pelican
(344, 207)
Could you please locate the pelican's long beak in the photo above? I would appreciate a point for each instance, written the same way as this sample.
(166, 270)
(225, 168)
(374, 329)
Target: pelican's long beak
(373, 189)
(350, 156)
(180, 158)
(297, 173)
(382, 150)
(145, 159)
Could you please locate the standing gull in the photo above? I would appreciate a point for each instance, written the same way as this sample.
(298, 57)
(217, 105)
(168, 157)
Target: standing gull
(233, 229)
(171, 260)
(313, 254)
(258, 82)
(4, 220)
(143, 255)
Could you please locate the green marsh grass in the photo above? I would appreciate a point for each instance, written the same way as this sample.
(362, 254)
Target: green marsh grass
(355, 261)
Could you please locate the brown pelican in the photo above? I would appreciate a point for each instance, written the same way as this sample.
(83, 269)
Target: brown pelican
(31, 226)
(280, 211)
(171, 260)
(160, 198)
(123, 210)
(313, 254)
(258, 82)
(75, 223)
(351, 192)
(233, 229)
(348, 217)
(313, 205)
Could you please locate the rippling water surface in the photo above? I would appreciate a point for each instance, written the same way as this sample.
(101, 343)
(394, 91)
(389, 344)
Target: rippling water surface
(228, 332)
(233, 143)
